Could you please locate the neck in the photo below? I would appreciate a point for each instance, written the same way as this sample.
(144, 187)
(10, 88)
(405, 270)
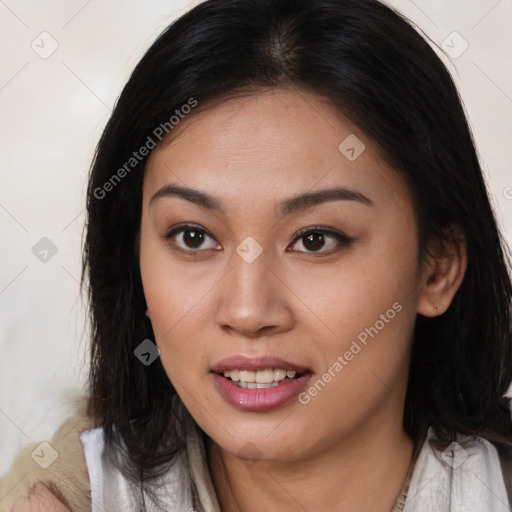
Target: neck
(363, 471)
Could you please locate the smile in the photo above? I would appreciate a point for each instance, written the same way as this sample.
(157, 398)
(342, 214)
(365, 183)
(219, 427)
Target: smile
(261, 379)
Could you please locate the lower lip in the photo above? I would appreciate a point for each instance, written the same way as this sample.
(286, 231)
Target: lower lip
(260, 399)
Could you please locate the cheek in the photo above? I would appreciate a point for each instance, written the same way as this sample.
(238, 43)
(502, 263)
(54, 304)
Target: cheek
(364, 365)
(171, 288)
(351, 294)
(175, 293)
(365, 309)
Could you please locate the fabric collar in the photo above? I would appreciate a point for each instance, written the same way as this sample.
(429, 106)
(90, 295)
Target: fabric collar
(465, 477)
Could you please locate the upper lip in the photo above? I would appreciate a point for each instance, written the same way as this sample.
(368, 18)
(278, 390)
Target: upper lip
(241, 362)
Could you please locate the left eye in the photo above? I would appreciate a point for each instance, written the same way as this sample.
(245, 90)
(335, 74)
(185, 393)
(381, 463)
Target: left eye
(320, 240)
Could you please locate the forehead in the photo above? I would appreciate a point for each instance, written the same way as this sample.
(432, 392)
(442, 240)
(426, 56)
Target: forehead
(268, 143)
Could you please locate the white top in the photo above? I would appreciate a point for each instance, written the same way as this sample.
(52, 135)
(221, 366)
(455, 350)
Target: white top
(466, 477)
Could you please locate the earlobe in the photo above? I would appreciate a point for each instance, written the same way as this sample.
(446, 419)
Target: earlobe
(443, 274)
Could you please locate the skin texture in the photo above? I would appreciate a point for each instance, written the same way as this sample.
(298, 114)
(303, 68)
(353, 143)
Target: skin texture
(41, 499)
(346, 448)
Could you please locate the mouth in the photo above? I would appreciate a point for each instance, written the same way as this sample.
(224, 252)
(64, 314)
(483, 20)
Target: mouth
(258, 384)
(261, 379)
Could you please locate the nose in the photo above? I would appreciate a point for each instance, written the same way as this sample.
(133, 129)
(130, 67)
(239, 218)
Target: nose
(253, 300)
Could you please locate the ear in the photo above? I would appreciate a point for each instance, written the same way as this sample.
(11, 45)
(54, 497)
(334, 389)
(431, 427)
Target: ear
(443, 272)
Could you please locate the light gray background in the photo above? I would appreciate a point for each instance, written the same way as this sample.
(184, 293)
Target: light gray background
(52, 113)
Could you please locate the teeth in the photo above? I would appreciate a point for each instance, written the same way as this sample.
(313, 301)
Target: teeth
(279, 374)
(255, 385)
(265, 376)
(247, 376)
(269, 376)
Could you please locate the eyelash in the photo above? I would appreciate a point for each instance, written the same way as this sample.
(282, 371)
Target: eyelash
(341, 238)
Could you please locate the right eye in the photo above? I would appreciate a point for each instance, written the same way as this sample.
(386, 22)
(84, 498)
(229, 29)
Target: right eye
(191, 238)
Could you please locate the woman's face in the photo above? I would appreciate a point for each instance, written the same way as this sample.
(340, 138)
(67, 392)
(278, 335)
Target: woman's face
(299, 253)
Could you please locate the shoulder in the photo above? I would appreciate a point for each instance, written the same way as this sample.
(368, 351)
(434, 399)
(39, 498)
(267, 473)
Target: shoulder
(506, 467)
(41, 499)
(446, 474)
(491, 462)
(50, 470)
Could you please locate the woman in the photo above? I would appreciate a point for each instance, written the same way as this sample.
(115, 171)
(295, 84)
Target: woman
(299, 294)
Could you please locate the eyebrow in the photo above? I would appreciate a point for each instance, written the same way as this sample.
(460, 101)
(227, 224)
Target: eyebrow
(288, 206)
